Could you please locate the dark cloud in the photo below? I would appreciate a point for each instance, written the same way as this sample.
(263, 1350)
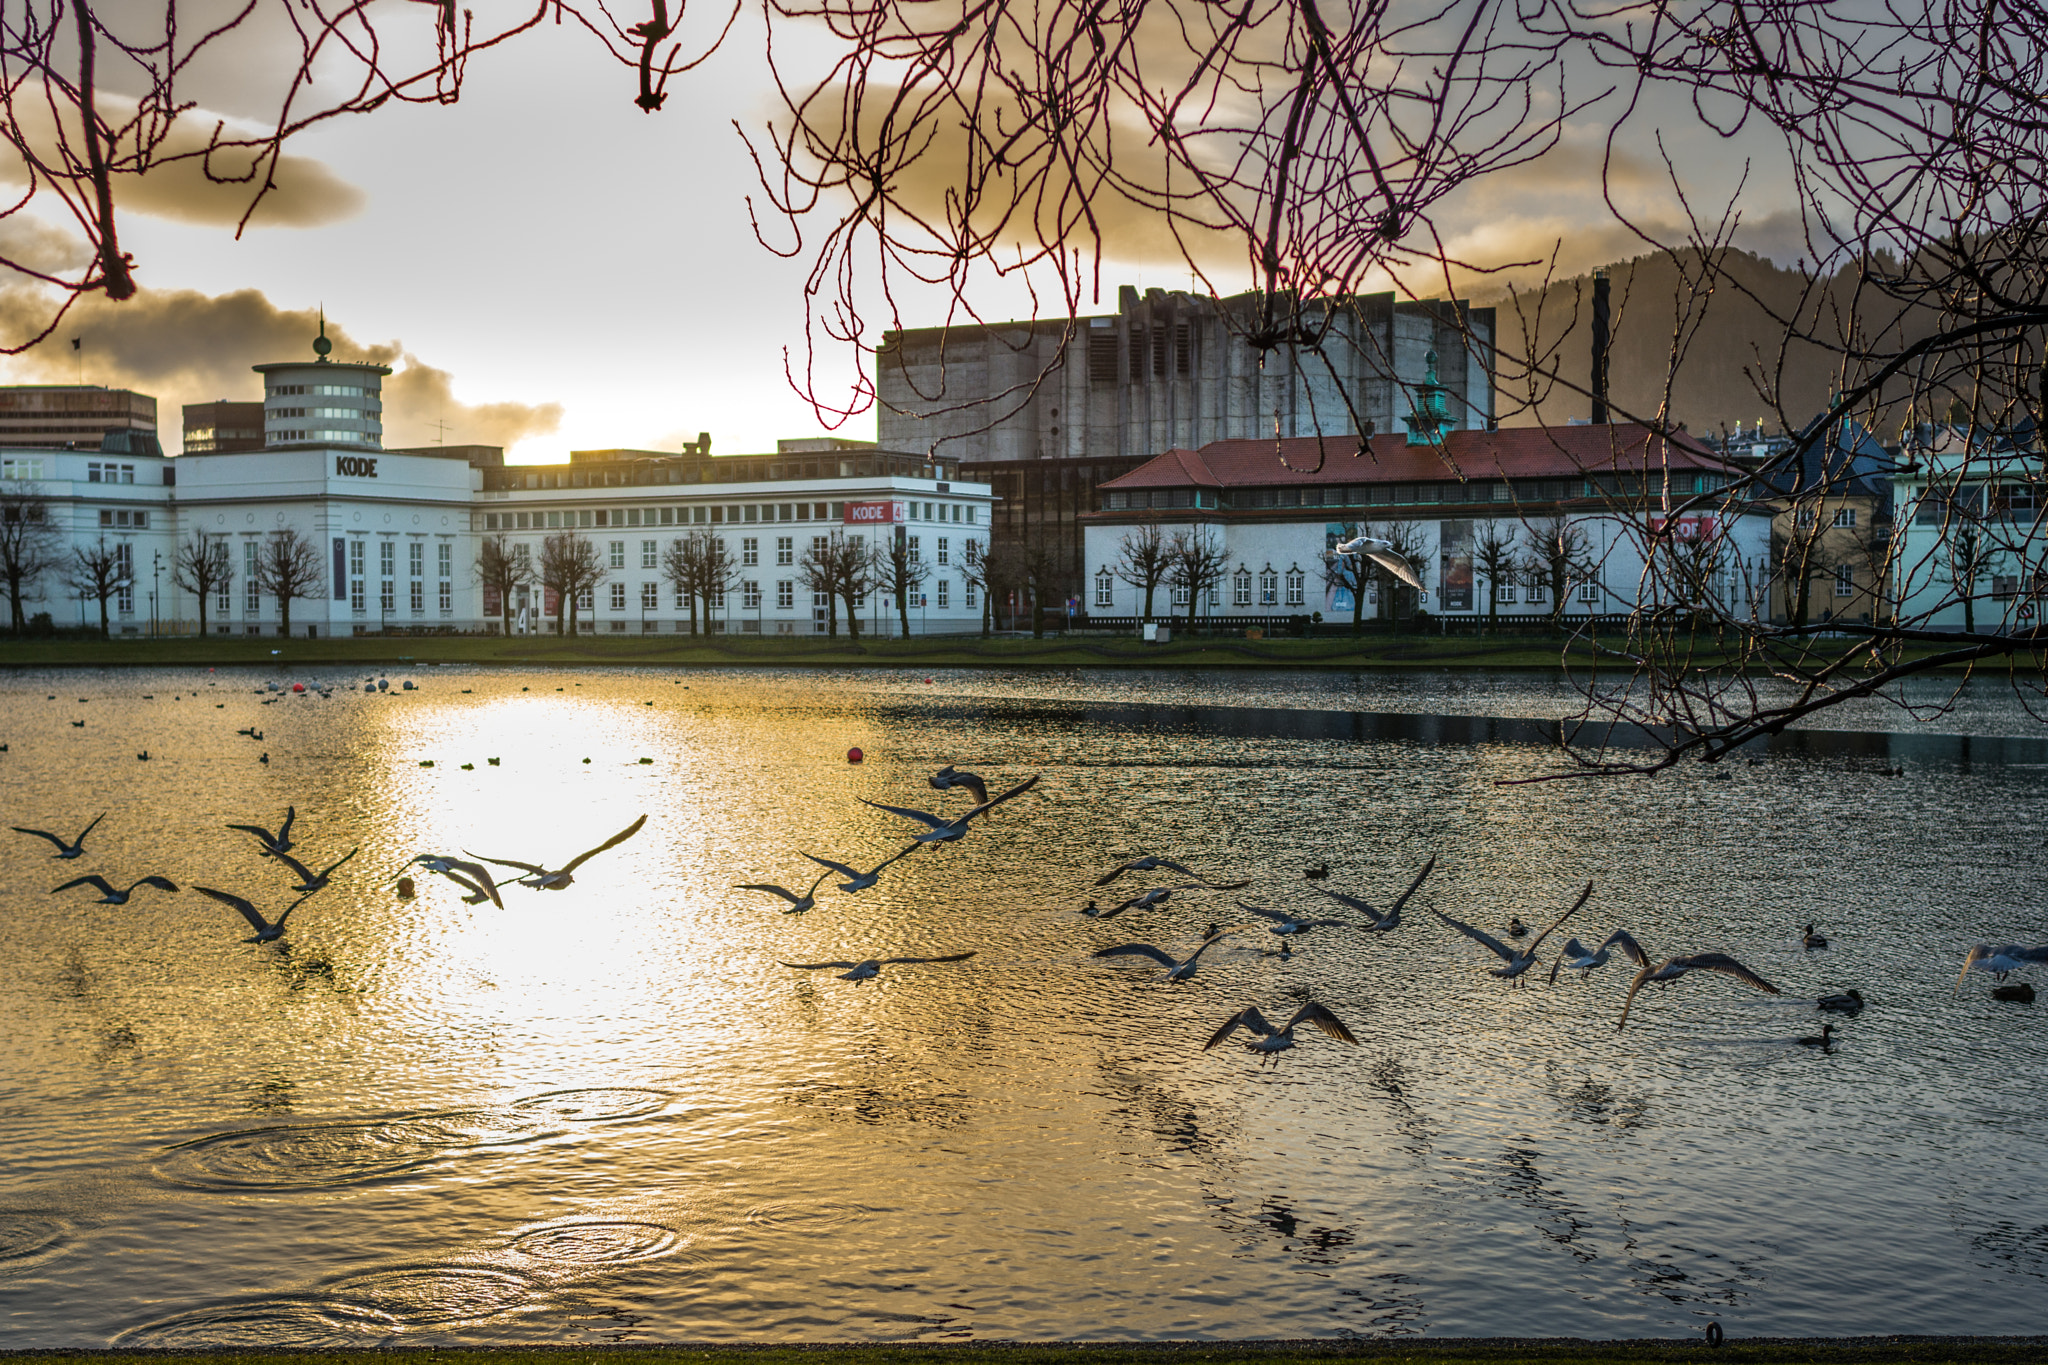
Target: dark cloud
(214, 192)
(187, 347)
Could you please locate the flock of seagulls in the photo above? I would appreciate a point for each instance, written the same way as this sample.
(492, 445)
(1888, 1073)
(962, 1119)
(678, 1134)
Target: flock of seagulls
(472, 873)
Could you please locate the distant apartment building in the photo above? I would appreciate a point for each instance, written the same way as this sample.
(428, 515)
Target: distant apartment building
(222, 427)
(70, 416)
(1171, 370)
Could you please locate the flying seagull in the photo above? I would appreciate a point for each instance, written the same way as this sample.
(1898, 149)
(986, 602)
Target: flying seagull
(941, 831)
(1382, 553)
(1177, 969)
(949, 777)
(266, 930)
(1391, 919)
(868, 968)
(1513, 963)
(74, 849)
(1152, 864)
(1581, 959)
(1271, 1042)
(310, 881)
(1285, 925)
(2007, 957)
(857, 881)
(797, 904)
(280, 842)
(1671, 968)
(109, 895)
(473, 878)
(541, 879)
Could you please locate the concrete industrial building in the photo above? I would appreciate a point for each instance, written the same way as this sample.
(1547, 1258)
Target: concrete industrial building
(397, 532)
(1171, 370)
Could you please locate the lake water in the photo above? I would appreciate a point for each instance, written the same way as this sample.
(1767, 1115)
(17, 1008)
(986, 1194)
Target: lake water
(607, 1113)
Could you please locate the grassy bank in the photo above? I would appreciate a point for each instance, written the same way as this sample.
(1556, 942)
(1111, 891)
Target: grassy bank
(798, 651)
(1399, 1351)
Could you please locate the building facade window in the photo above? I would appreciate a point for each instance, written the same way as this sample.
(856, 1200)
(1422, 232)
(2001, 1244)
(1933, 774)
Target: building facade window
(618, 554)
(968, 595)
(750, 593)
(1537, 592)
(785, 550)
(650, 554)
(1589, 591)
(1845, 518)
(583, 599)
(618, 597)
(944, 547)
(1241, 588)
(1105, 590)
(1269, 589)
(944, 589)
(785, 595)
(1845, 580)
(1181, 596)
(124, 557)
(650, 597)
(1504, 592)
(916, 555)
(750, 552)
(1297, 588)
(252, 590)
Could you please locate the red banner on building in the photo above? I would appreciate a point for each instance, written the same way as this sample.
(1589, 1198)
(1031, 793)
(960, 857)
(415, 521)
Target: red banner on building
(1686, 528)
(876, 513)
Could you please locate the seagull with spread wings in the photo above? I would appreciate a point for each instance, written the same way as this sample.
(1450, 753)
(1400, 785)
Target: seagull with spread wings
(75, 848)
(1382, 553)
(280, 842)
(1391, 919)
(109, 895)
(309, 880)
(541, 879)
(949, 777)
(1286, 925)
(942, 830)
(797, 904)
(1270, 1042)
(1513, 963)
(267, 931)
(871, 967)
(1672, 968)
(857, 880)
(1151, 863)
(1177, 969)
(1998, 961)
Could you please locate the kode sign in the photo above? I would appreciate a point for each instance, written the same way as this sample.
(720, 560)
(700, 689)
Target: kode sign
(876, 513)
(356, 466)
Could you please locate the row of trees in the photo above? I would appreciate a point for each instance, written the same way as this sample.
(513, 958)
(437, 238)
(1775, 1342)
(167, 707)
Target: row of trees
(1550, 554)
(287, 566)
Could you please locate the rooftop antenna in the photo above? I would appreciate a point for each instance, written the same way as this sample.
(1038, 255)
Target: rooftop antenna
(440, 431)
(321, 345)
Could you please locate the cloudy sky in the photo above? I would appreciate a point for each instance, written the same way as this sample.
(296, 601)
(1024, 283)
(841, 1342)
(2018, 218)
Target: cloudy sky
(550, 268)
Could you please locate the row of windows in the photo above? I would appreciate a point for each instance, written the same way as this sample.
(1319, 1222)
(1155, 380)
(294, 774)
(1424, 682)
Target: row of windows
(1368, 495)
(123, 520)
(1843, 520)
(320, 390)
(707, 515)
(2011, 502)
(325, 437)
(751, 597)
(108, 472)
(1269, 584)
(275, 413)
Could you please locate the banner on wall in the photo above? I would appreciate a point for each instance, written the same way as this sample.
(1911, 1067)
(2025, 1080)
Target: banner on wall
(1454, 583)
(1696, 527)
(876, 513)
(1337, 596)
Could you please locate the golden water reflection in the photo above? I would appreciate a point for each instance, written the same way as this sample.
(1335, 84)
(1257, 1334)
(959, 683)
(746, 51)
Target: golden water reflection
(605, 1113)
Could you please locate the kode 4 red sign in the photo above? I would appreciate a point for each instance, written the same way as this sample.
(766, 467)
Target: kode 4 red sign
(876, 513)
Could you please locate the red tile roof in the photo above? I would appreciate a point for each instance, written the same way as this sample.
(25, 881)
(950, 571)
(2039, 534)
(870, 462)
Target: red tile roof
(1513, 453)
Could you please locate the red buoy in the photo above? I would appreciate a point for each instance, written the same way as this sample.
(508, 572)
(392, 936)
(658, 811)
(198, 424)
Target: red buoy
(298, 687)
(854, 755)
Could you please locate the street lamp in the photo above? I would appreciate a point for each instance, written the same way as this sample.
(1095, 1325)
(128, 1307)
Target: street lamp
(155, 568)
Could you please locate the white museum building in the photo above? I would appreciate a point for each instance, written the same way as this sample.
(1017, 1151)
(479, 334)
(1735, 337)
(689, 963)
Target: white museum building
(398, 532)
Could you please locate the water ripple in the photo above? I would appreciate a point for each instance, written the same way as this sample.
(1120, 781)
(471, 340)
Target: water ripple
(597, 1104)
(302, 1323)
(609, 1242)
(435, 1293)
(26, 1238)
